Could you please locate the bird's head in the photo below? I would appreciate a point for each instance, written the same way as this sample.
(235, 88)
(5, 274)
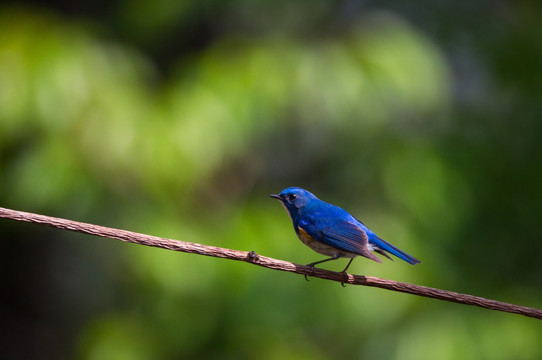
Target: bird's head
(294, 198)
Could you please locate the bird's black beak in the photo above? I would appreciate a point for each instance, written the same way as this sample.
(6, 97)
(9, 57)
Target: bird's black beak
(275, 196)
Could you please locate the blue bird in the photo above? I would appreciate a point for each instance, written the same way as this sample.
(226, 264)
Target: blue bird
(332, 231)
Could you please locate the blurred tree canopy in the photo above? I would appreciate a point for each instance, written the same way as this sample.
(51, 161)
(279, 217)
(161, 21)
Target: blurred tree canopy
(177, 118)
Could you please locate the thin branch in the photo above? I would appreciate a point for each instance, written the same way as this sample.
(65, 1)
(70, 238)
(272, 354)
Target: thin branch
(256, 259)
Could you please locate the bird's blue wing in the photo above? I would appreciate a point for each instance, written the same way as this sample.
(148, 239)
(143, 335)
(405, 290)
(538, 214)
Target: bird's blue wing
(335, 227)
(337, 233)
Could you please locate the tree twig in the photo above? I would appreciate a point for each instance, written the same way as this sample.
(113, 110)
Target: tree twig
(256, 259)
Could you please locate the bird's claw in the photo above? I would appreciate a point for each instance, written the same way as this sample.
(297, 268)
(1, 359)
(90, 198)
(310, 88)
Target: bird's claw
(312, 270)
(346, 275)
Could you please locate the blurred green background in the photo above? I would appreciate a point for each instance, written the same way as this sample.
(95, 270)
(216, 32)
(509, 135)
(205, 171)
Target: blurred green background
(178, 118)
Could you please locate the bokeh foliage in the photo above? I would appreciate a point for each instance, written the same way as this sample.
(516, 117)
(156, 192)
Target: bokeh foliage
(177, 119)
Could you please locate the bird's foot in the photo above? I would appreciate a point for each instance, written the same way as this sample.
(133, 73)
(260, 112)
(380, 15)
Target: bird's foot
(346, 275)
(312, 270)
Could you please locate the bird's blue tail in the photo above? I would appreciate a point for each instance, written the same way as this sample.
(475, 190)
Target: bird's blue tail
(384, 245)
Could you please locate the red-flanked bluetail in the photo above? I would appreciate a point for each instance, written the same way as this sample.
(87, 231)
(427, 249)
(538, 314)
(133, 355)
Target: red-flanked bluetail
(332, 231)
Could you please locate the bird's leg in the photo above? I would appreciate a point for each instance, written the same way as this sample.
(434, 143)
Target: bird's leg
(322, 261)
(319, 262)
(344, 271)
(347, 266)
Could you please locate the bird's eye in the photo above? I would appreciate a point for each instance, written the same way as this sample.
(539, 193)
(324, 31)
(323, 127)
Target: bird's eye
(292, 197)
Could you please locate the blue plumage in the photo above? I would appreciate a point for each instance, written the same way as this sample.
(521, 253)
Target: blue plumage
(332, 231)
